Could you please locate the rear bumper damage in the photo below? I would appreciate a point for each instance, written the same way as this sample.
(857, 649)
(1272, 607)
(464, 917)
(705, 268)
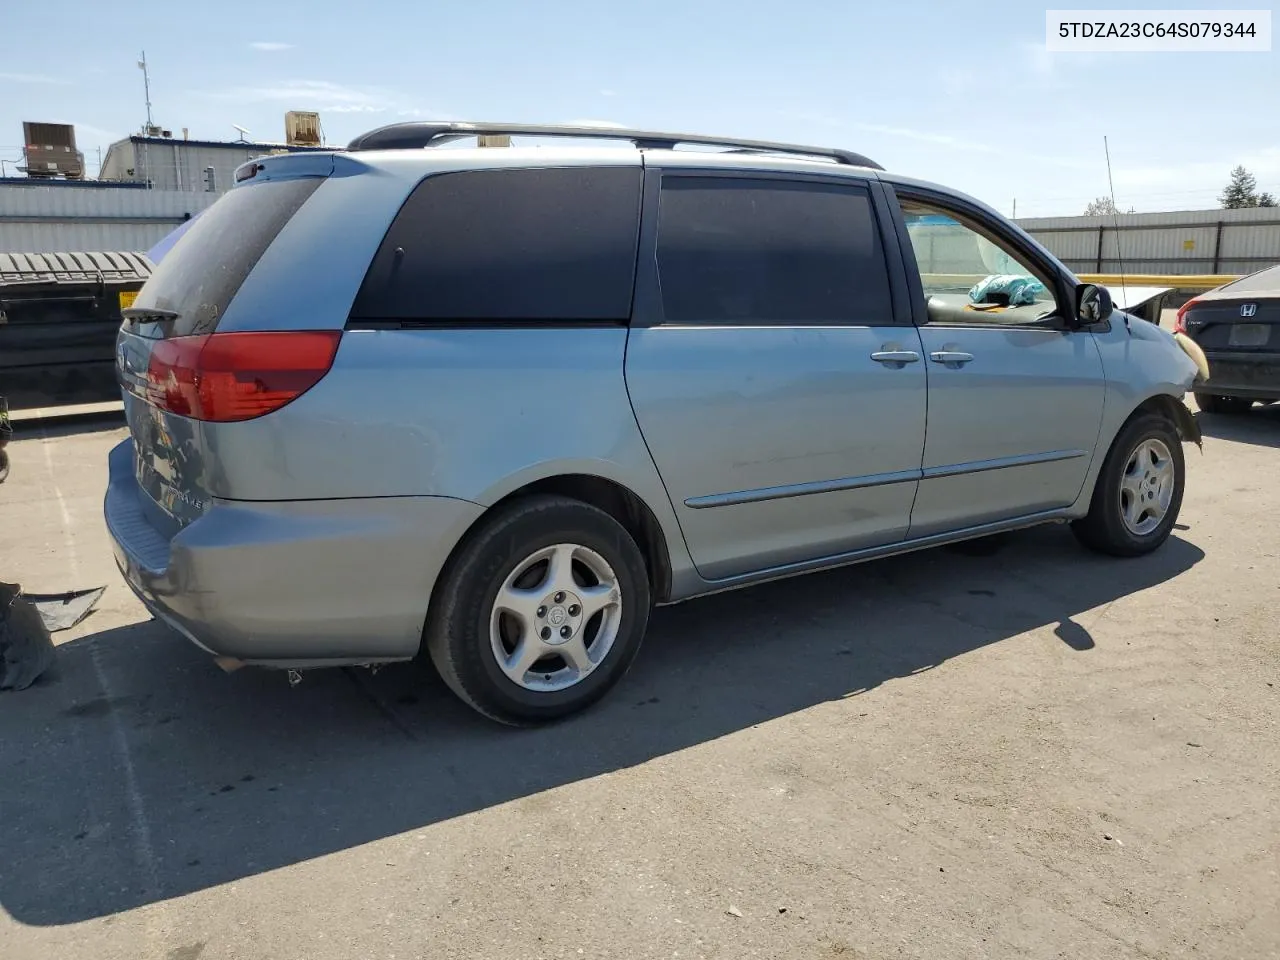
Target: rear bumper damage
(292, 583)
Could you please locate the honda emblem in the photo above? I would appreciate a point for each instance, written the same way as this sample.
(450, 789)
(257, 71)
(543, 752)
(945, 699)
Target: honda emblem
(1248, 309)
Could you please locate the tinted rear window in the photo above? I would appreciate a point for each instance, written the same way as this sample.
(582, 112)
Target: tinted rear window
(1264, 281)
(202, 272)
(733, 250)
(509, 245)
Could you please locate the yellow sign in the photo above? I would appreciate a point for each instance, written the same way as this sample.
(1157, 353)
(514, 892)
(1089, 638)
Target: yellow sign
(1188, 244)
(127, 297)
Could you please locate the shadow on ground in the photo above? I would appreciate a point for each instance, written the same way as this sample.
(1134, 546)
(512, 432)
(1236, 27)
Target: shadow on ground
(1259, 426)
(67, 425)
(226, 777)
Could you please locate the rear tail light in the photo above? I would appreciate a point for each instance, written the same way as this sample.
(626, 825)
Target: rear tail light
(224, 377)
(1180, 322)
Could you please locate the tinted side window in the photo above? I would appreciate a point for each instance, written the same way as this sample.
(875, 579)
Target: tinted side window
(541, 244)
(738, 250)
(202, 272)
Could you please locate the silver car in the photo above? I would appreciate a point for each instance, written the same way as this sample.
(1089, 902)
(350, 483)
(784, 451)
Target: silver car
(495, 404)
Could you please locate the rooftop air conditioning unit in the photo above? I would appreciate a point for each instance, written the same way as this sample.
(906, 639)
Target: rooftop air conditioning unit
(50, 151)
(302, 129)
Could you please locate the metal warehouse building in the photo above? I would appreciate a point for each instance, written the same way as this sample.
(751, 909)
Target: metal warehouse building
(1181, 242)
(56, 216)
(167, 163)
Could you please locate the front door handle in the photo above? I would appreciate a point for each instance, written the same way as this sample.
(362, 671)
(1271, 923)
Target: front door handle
(895, 356)
(950, 357)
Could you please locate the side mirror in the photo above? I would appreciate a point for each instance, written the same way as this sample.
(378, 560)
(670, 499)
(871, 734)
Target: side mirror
(1093, 304)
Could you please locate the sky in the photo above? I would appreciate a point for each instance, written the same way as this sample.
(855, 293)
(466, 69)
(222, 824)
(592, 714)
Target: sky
(958, 93)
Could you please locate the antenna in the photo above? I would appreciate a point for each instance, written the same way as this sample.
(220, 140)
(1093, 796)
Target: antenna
(244, 134)
(146, 85)
(1115, 216)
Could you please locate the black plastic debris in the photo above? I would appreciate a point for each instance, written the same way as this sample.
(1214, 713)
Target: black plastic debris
(26, 649)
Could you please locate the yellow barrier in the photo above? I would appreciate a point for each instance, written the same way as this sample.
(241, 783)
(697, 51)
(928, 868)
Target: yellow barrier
(1201, 281)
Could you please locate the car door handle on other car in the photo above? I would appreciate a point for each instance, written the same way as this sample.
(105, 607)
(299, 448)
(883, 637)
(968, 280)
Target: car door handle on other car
(952, 358)
(892, 357)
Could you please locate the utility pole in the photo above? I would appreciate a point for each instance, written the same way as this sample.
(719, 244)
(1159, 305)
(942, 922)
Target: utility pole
(1015, 208)
(146, 85)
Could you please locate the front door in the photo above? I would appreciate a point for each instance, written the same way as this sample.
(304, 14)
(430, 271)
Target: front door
(1015, 396)
(781, 397)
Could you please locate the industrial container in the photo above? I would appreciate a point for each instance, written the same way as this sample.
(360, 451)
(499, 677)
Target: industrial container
(59, 316)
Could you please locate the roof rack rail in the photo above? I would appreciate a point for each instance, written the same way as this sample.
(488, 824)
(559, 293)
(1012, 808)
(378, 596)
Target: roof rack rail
(418, 134)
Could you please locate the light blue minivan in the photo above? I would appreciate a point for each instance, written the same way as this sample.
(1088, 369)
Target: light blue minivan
(494, 404)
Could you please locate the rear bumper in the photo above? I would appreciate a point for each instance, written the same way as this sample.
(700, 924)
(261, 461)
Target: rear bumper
(1248, 375)
(294, 583)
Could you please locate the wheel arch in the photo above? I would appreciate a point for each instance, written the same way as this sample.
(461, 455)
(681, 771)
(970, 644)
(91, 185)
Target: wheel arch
(1171, 409)
(1166, 405)
(604, 493)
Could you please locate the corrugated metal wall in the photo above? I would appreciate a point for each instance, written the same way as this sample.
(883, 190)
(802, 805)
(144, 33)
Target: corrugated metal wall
(179, 165)
(1179, 242)
(53, 219)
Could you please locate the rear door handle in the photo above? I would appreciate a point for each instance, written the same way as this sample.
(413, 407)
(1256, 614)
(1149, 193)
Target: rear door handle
(895, 356)
(950, 357)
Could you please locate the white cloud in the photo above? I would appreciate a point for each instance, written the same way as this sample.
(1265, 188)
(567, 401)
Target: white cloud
(326, 96)
(1037, 56)
(32, 78)
(87, 133)
(313, 95)
(270, 46)
(606, 92)
(1263, 163)
(925, 136)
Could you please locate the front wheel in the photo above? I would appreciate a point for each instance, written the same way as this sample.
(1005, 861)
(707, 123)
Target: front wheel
(1139, 490)
(541, 612)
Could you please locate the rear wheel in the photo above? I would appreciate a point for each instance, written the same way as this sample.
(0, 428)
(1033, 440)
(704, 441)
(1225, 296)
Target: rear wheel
(1212, 403)
(1139, 490)
(541, 612)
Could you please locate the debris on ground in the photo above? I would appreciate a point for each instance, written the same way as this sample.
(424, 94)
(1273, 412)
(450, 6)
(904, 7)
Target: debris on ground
(6, 434)
(26, 622)
(62, 611)
(26, 649)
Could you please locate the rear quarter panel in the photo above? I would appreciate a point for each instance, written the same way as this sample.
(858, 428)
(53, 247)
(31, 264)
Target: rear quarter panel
(473, 414)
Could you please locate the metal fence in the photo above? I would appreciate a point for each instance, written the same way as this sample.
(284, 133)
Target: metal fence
(1181, 242)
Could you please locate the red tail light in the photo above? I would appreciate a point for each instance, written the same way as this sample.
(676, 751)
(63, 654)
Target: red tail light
(225, 377)
(1180, 323)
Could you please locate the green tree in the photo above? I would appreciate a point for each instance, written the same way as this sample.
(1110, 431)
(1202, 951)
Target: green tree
(1242, 191)
(1104, 206)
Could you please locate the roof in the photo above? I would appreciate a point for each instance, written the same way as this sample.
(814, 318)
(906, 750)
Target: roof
(419, 134)
(223, 144)
(33, 268)
(60, 183)
(1263, 284)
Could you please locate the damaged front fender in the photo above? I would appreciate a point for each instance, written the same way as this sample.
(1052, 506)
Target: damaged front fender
(1188, 425)
(1192, 350)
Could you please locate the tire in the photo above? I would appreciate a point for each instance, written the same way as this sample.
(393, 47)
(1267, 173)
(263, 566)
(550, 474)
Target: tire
(523, 551)
(1226, 406)
(1126, 472)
